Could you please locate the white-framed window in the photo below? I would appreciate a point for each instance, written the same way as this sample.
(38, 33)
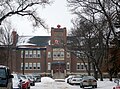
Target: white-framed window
(38, 53)
(30, 53)
(61, 54)
(68, 54)
(26, 54)
(30, 66)
(82, 66)
(38, 66)
(49, 54)
(26, 66)
(21, 66)
(34, 65)
(21, 53)
(34, 54)
(86, 65)
(49, 66)
(68, 66)
(78, 66)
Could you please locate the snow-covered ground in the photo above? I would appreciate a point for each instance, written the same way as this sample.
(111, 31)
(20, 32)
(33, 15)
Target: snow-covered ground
(48, 83)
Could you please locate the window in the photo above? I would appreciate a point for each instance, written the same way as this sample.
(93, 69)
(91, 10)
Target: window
(21, 66)
(38, 54)
(30, 65)
(49, 66)
(26, 54)
(68, 54)
(22, 54)
(86, 65)
(34, 54)
(49, 54)
(3, 73)
(58, 54)
(26, 65)
(38, 66)
(78, 66)
(34, 65)
(68, 66)
(82, 66)
(62, 54)
(30, 53)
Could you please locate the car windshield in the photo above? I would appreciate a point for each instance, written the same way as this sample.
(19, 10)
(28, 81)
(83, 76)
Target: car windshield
(88, 77)
(2, 73)
(23, 77)
(15, 77)
(30, 77)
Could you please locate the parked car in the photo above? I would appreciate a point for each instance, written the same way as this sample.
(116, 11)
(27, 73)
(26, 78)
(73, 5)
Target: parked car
(69, 78)
(5, 77)
(116, 87)
(88, 81)
(32, 80)
(16, 82)
(25, 82)
(75, 80)
(37, 78)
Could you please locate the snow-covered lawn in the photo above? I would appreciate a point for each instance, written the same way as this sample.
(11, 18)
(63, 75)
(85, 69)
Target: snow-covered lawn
(48, 83)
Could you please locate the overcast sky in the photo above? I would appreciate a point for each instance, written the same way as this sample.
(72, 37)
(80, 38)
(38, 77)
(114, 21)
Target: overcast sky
(57, 13)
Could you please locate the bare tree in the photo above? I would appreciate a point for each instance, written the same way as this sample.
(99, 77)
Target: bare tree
(106, 10)
(88, 38)
(27, 8)
(6, 42)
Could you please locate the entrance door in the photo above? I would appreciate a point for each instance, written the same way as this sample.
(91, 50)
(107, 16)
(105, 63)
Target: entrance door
(58, 70)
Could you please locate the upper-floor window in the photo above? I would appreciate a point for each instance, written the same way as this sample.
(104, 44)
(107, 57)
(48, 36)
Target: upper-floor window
(30, 54)
(49, 54)
(38, 54)
(68, 54)
(22, 54)
(68, 66)
(34, 54)
(26, 54)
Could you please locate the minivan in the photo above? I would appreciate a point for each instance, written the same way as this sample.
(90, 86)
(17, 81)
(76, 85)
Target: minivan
(5, 78)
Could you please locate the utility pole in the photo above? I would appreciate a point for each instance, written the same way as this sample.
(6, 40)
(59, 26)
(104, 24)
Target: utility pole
(23, 68)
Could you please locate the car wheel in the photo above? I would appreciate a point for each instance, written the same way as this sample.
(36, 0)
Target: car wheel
(95, 86)
(28, 87)
(81, 87)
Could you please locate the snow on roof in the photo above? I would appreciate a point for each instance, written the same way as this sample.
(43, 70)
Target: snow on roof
(23, 40)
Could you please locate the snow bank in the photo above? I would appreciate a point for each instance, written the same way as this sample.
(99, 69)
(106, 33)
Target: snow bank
(47, 80)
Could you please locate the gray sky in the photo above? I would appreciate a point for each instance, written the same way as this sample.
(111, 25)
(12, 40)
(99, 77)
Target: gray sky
(55, 14)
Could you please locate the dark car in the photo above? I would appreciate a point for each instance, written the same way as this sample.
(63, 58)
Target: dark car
(37, 78)
(5, 78)
(88, 81)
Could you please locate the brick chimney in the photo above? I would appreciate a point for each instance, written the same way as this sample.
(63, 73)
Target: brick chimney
(14, 37)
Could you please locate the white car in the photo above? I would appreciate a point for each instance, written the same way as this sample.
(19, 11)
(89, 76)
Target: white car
(75, 80)
(69, 78)
(88, 81)
(16, 81)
